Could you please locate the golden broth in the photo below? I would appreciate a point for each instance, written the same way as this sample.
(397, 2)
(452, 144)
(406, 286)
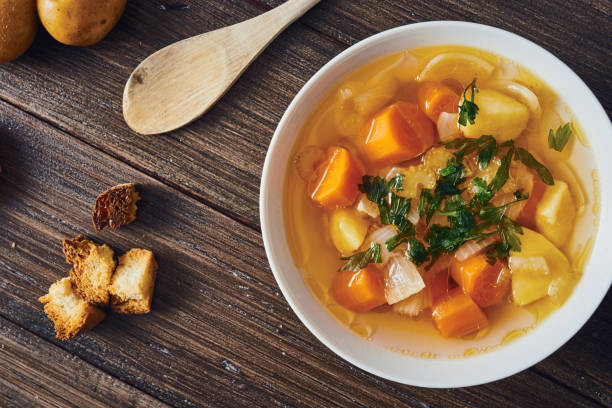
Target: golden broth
(307, 225)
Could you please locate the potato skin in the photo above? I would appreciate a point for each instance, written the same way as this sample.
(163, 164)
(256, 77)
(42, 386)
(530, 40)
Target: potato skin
(18, 27)
(79, 22)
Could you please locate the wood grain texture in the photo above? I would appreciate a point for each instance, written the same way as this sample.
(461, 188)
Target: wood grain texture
(79, 90)
(34, 372)
(220, 333)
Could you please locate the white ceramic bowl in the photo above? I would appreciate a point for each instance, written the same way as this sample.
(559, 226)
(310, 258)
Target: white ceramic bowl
(518, 355)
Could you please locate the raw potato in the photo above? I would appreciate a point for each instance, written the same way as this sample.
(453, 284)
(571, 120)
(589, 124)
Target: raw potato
(555, 213)
(17, 27)
(79, 22)
(499, 115)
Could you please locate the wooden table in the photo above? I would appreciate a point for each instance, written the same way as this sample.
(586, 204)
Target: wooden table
(220, 332)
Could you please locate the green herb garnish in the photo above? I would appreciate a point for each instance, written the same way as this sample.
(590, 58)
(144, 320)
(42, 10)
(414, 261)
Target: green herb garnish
(486, 153)
(417, 252)
(360, 260)
(468, 109)
(428, 204)
(393, 208)
(503, 172)
(530, 161)
(482, 193)
(557, 140)
(475, 220)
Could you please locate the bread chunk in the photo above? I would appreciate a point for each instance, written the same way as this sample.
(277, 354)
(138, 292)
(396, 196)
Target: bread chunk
(93, 267)
(115, 207)
(70, 314)
(132, 284)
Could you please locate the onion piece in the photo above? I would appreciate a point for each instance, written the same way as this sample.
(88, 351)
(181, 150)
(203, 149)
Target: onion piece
(415, 304)
(448, 127)
(413, 214)
(307, 161)
(366, 207)
(519, 92)
(402, 279)
(473, 247)
(381, 235)
(393, 171)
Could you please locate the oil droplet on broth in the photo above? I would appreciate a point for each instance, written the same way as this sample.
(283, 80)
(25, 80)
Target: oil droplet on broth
(514, 334)
(428, 355)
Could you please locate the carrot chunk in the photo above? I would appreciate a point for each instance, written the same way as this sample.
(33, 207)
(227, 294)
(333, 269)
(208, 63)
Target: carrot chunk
(335, 182)
(397, 133)
(359, 291)
(437, 284)
(435, 98)
(527, 215)
(485, 283)
(457, 314)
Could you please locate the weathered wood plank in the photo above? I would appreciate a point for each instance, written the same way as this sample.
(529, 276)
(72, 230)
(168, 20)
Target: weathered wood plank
(34, 372)
(217, 159)
(219, 334)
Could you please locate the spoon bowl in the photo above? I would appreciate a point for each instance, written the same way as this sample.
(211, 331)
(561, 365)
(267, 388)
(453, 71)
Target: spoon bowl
(180, 82)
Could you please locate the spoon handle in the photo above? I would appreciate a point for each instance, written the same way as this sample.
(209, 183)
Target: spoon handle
(293, 9)
(273, 22)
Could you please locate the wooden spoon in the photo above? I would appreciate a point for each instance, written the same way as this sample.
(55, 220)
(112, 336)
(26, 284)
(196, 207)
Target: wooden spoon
(177, 84)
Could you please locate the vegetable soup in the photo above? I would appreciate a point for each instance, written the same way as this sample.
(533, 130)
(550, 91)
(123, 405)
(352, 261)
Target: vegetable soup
(441, 199)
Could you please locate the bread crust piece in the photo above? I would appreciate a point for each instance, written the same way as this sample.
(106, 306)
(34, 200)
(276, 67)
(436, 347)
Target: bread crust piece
(132, 284)
(115, 207)
(70, 314)
(93, 268)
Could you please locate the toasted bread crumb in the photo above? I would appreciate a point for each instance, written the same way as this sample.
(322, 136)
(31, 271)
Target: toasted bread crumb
(115, 207)
(132, 284)
(70, 314)
(93, 268)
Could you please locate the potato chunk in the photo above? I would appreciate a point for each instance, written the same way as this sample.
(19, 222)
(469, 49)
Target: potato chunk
(499, 115)
(555, 213)
(535, 267)
(530, 278)
(347, 229)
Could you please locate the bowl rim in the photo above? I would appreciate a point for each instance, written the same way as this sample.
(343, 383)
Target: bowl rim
(555, 329)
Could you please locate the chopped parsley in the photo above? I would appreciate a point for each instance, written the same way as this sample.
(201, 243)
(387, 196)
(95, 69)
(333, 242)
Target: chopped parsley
(487, 152)
(360, 260)
(531, 162)
(393, 208)
(557, 140)
(416, 251)
(468, 109)
(482, 194)
(475, 220)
